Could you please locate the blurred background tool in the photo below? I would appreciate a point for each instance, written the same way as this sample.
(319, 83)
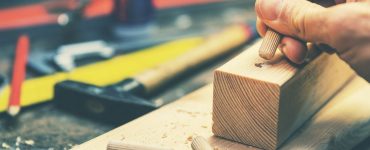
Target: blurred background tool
(19, 74)
(103, 73)
(68, 57)
(2, 81)
(134, 18)
(127, 96)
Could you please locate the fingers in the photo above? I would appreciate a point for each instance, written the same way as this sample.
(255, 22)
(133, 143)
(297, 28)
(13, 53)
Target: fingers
(261, 27)
(297, 18)
(294, 50)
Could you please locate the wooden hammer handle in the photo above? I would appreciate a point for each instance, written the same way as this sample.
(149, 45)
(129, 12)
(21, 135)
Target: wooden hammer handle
(269, 44)
(216, 45)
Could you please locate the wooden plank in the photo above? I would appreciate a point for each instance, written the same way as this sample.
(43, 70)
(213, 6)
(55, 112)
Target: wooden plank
(341, 124)
(172, 125)
(263, 105)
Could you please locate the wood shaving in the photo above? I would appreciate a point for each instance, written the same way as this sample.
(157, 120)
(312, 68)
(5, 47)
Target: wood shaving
(190, 138)
(5, 145)
(29, 142)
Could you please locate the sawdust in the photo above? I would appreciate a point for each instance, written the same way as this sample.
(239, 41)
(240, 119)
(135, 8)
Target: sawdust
(29, 142)
(48, 128)
(5, 145)
(190, 138)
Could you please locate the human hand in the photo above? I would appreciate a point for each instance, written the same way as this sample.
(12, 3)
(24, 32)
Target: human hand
(344, 26)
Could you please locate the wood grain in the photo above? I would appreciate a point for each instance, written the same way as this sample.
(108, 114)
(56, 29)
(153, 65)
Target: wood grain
(263, 106)
(270, 44)
(341, 124)
(199, 143)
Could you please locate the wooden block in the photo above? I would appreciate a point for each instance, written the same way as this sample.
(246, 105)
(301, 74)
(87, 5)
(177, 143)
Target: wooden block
(328, 129)
(263, 105)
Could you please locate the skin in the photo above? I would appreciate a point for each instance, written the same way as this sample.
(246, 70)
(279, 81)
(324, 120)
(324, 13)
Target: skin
(339, 25)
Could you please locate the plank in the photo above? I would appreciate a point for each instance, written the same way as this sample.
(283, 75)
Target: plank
(341, 124)
(262, 105)
(171, 125)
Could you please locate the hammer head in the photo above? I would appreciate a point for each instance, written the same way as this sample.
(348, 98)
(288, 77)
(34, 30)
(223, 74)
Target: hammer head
(102, 103)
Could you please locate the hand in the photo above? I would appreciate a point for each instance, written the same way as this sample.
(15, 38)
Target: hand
(343, 26)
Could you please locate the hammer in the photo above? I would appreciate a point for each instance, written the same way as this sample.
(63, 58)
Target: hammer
(124, 101)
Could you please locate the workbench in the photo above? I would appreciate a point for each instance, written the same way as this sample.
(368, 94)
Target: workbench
(176, 124)
(53, 128)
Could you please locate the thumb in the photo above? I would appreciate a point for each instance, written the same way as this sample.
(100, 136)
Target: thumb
(297, 18)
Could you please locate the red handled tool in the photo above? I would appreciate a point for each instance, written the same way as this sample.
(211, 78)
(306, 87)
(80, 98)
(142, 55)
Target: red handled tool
(19, 73)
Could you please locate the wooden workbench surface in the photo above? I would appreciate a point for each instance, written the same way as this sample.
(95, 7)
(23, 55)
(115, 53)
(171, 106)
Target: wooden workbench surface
(175, 124)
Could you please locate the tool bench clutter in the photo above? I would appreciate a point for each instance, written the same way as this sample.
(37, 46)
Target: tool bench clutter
(161, 74)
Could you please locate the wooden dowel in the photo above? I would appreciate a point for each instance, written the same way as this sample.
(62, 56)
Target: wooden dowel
(200, 143)
(269, 44)
(118, 145)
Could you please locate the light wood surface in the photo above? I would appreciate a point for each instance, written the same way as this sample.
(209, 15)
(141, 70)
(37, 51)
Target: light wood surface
(174, 125)
(213, 47)
(200, 143)
(119, 145)
(263, 105)
(341, 124)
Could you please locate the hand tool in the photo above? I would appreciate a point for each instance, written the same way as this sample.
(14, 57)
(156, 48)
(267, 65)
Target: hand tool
(19, 74)
(199, 143)
(2, 82)
(40, 89)
(269, 44)
(46, 18)
(118, 145)
(68, 56)
(134, 18)
(122, 102)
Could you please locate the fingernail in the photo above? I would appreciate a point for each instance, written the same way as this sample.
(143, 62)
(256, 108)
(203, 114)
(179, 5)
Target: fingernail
(269, 9)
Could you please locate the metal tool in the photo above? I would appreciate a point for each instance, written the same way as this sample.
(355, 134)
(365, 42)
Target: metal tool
(122, 101)
(68, 54)
(269, 44)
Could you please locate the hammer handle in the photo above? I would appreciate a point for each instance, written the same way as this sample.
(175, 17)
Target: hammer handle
(216, 45)
(269, 44)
